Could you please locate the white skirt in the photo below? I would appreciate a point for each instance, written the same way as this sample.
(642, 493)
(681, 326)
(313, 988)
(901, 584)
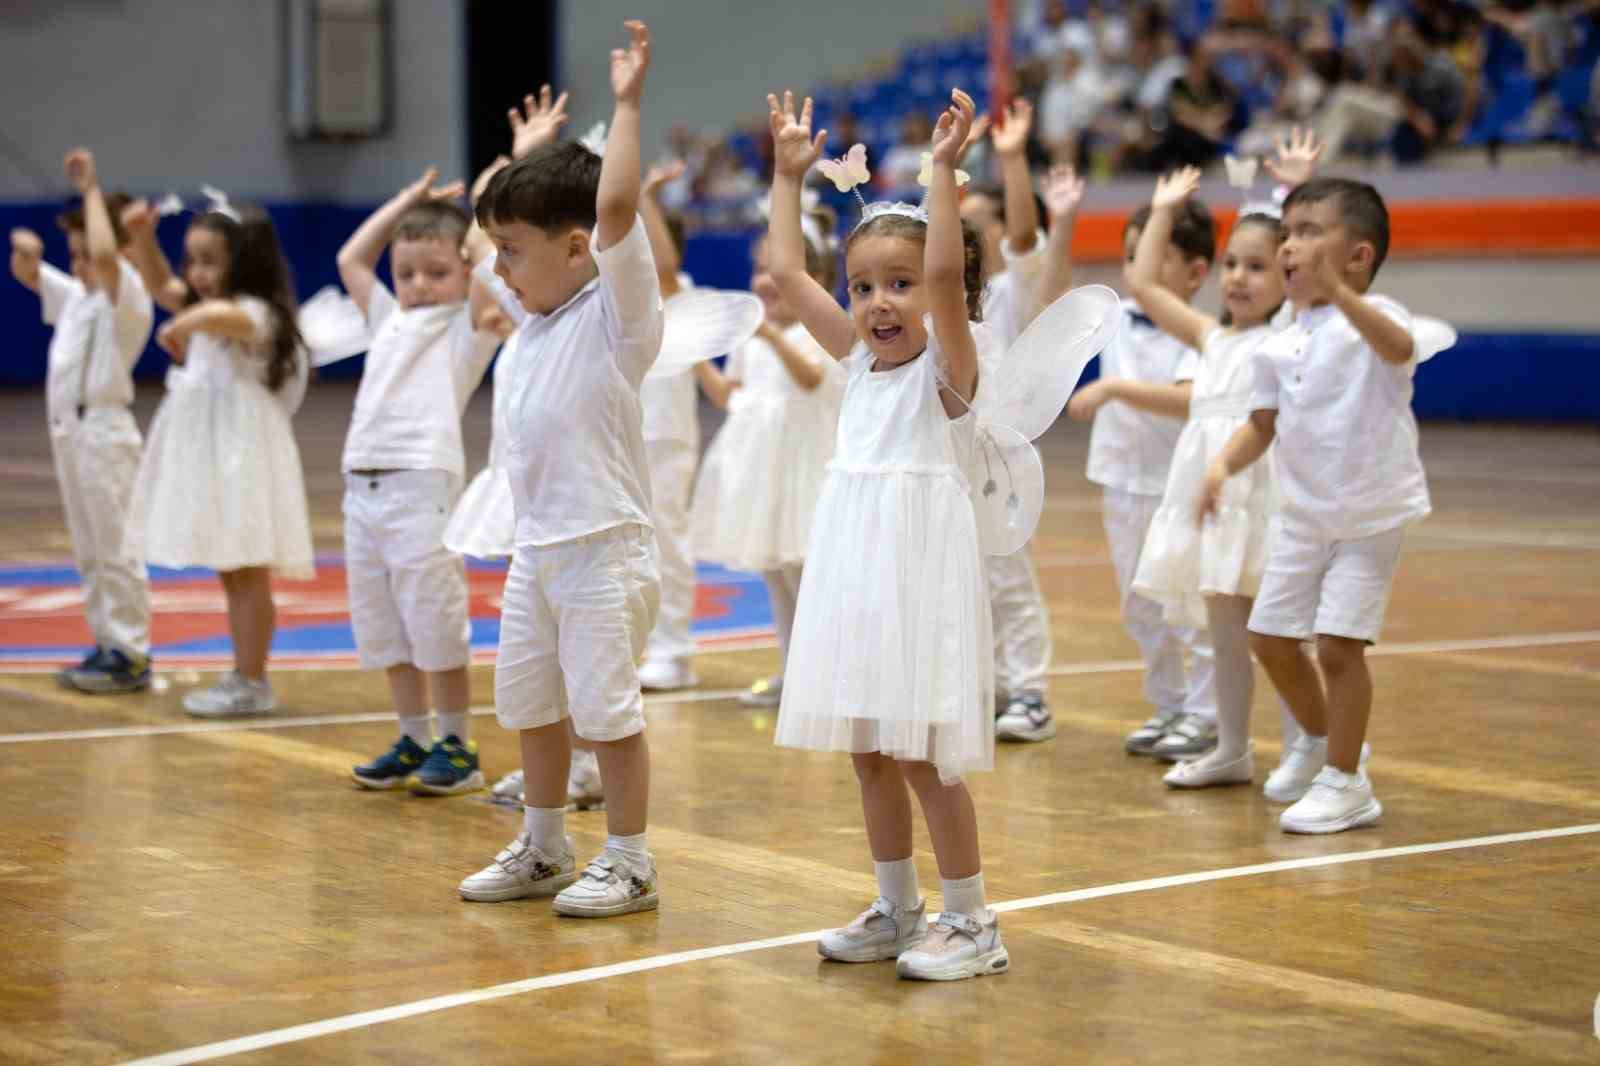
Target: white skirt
(893, 650)
(1183, 562)
(484, 523)
(220, 485)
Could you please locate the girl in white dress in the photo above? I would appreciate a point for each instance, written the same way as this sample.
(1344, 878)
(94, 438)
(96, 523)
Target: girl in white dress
(892, 654)
(220, 485)
(1207, 574)
(761, 475)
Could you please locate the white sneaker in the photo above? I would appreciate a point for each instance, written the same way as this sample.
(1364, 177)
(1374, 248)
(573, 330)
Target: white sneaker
(231, 697)
(1026, 718)
(1335, 802)
(509, 786)
(1141, 740)
(609, 886)
(1210, 770)
(521, 870)
(882, 931)
(1301, 763)
(768, 692)
(957, 946)
(666, 675)
(584, 790)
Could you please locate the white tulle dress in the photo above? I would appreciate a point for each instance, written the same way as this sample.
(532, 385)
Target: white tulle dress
(220, 484)
(892, 650)
(1184, 562)
(759, 481)
(484, 523)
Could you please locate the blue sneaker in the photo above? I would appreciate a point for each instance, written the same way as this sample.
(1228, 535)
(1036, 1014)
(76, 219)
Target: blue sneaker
(112, 671)
(451, 767)
(89, 661)
(391, 769)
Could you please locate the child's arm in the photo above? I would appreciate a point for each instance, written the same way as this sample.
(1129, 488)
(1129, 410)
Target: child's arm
(1297, 158)
(804, 369)
(537, 123)
(717, 385)
(101, 239)
(1063, 192)
(1169, 400)
(617, 201)
(662, 248)
(1248, 443)
(794, 150)
(169, 291)
(944, 259)
(1165, 308)
(221, 318)
(358, 259)
(1010, 140)
(27, 255)
(1388, 338)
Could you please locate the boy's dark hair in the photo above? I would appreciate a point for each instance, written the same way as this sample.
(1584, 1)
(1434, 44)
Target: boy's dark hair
(257, 267)
(433, 221)
(1361, 211)
(996, 194)
(71, 220)
(911, 229)
(1193, 231)
(552, 188)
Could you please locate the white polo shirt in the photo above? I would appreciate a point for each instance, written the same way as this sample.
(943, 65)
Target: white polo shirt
(575, 453)
(96, 343)
(420, 372)
(1130, 449)
(1347, 457)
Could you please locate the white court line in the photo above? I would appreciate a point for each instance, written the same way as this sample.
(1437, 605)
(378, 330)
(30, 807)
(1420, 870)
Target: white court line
(1107, 666)
(364, 1019)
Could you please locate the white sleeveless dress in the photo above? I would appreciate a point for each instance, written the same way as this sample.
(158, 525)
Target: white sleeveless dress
(1183, 562)
(892, 649)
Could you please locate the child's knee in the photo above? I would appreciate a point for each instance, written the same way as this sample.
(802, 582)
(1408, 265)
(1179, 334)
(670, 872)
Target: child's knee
(1270, 649)
(1339, 655)
(923, 777)
(871, 767)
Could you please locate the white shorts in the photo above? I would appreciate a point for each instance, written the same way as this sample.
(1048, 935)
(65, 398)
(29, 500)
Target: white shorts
(1316, 587)
(408, 594)
(573, 623)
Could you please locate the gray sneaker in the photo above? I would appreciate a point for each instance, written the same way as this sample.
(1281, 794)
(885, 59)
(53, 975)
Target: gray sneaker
(231, 697)
(1141, 740)
(880, 932)
(1191, 736)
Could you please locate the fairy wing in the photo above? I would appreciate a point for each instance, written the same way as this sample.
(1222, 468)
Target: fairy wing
(1006, 484)
(702, 324)
(1431, 336)
(1032, 382)
(333, 327)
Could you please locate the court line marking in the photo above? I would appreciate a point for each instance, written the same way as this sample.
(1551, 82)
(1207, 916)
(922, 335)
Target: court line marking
(365, 1019)
(1108, 666)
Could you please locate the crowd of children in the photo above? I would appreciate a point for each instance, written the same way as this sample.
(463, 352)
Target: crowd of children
(837, 475)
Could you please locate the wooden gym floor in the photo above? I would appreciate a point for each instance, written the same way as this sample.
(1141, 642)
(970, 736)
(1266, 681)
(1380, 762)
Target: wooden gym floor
(164, 891)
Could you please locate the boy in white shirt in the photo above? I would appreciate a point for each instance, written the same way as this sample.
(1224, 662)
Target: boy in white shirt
(1335, 391)
(403, 468)
(1130, 449)
(573, 259)
(102, 315)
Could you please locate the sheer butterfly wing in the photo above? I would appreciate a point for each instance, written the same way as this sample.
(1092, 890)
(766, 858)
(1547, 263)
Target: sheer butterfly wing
(703, 324)
(1006, 479)
(333, 327)
(1431, 336)
(1037, 374)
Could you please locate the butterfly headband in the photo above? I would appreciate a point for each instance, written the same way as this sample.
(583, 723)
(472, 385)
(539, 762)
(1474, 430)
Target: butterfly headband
(216, 203)
(1242, 176)
(850, 171)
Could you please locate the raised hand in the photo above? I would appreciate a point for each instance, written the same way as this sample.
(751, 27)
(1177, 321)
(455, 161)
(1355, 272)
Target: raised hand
(950, 133)
(1010, 136)
(537, 122)
(139, 219)
(662, 174)
(1063, 190)
(26, 242)
(794, 149)
(980, 129)
(1297, 157)
(79, 166)
(423, 190)
(1173, 189)
(628, 65)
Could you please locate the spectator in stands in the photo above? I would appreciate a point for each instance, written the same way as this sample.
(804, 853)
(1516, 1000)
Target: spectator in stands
(1416, 105)
(1071, 101)
(1200, 108)
(1366, 38)
(1301, 93)
(901, 164)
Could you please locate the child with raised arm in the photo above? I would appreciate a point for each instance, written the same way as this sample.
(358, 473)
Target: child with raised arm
(1130, 451)
(220, 484)
(1334, 391)
(891, 658)
(403, 465)
(102, 314)
(572, 255)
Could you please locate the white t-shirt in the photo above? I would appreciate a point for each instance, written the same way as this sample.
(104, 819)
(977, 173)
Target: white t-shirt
(1008, 298)
(1347, 457)
(672, 405)
(419, 357)
(1130, 449)
(576, 450)
(96, 343)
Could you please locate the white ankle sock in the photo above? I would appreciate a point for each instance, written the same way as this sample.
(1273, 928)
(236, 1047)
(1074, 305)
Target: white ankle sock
(965, 896)
(546, 827)
(417, 730)
(630, 849)
(897, 882)
(454, 724)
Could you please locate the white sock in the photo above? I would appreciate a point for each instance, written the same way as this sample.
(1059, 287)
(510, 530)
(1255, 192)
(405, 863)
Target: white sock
(630, 849)
(546, 827)
(965, 896)
(897, 882)
(454, 724)
(417, 730)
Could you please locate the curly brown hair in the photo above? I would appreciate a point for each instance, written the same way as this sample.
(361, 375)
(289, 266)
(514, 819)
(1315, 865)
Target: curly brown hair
(912, 229)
